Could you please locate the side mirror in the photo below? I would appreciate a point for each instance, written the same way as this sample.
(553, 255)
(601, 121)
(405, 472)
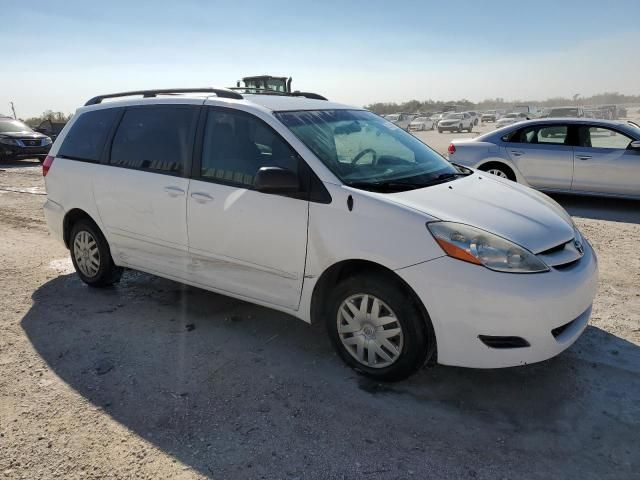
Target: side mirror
(635, 145)
(276, 180)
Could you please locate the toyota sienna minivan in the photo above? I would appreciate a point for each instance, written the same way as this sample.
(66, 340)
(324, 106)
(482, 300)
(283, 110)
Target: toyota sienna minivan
(326, 212)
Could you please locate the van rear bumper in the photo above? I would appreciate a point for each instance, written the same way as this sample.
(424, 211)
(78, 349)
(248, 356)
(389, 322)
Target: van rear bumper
(54, 215)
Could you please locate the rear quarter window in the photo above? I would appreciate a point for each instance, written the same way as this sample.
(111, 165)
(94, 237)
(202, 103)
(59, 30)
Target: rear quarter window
(88, 134)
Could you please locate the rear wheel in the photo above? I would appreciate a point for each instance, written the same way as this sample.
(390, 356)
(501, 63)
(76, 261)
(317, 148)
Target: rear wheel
(499, 170)
(378, 328)
(91, 255)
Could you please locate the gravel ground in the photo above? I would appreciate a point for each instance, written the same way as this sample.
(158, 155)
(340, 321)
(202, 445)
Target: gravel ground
(152, 379)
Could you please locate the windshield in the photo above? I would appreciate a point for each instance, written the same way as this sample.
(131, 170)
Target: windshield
(364, 150)
(454, 115)
(13, 126)
(511, 115)
(420, 119)
(392, 118)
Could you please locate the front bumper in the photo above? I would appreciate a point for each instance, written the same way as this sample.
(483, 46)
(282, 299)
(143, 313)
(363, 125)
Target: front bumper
(466, 301)
(19, 152)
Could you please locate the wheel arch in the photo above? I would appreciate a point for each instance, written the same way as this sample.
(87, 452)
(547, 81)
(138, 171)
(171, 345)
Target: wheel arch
(70, 219)
(486, 164)
(347, 268)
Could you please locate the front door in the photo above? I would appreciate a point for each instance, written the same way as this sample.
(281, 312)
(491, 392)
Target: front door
(605, 164)
(243, 241)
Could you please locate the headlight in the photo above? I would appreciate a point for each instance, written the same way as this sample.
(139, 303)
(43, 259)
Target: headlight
(473, 245)
(46, 141)
(8, 141)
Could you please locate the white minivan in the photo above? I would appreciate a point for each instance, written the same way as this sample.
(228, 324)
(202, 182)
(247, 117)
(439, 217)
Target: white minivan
(326, 212)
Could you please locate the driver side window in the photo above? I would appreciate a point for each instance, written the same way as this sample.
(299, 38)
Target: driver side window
(236, 145)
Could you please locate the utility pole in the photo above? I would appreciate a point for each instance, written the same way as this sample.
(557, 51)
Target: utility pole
(13, 110)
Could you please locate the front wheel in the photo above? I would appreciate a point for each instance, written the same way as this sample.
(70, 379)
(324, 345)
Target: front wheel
(91, 255)
(378, 328)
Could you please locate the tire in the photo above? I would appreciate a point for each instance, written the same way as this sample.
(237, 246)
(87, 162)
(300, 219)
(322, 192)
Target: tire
(470, 129)
(91, 255)
(408, 350)
(439, 130)
(499, 170)
(459, 128)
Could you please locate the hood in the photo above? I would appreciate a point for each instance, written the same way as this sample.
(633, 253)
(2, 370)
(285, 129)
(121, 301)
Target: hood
(25, 134)
(515, 212)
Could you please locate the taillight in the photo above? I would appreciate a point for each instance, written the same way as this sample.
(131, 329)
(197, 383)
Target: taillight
(451, 149)
(46, 165)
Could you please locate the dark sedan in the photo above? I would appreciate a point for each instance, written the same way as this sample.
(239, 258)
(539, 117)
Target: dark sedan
(18, 141)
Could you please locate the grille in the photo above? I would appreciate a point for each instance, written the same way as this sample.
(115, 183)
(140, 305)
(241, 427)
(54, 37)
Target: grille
(556, 332)
(561, 256)
(503, 342)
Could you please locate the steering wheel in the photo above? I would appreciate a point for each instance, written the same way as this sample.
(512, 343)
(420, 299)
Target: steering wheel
(363, 153)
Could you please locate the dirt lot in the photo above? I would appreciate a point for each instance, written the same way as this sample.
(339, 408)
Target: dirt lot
(152, 379)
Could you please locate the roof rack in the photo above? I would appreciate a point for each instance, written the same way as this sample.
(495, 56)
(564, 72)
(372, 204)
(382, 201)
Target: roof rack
(220, 92)
(268, 91)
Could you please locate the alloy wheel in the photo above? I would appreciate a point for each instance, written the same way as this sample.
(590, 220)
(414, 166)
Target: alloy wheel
(369, 330)
(86, 253)
(497, 173)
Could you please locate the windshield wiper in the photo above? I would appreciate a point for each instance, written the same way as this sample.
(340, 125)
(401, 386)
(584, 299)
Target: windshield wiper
(387, 186)
(399, 185)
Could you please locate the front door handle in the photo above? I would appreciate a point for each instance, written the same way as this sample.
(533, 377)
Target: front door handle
(583, 157)
(201, 197)
(517, 153)
(174, 191)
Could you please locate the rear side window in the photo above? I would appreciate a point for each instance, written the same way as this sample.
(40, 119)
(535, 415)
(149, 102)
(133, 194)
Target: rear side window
(236, 145)
(158, 138)
(88, 134)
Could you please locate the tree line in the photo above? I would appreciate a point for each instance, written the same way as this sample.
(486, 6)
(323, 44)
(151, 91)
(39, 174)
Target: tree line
(608, 98)
(56, 117)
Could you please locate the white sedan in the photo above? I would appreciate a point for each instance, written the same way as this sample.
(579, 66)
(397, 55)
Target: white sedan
(421, 123)
(510, 119)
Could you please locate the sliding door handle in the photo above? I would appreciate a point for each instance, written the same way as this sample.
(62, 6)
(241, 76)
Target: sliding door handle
(583, 157)
(174, 191)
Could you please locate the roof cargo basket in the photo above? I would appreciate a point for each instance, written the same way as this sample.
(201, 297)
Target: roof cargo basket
(220, 92)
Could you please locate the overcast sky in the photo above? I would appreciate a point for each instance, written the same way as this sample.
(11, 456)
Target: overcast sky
(56, 55)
